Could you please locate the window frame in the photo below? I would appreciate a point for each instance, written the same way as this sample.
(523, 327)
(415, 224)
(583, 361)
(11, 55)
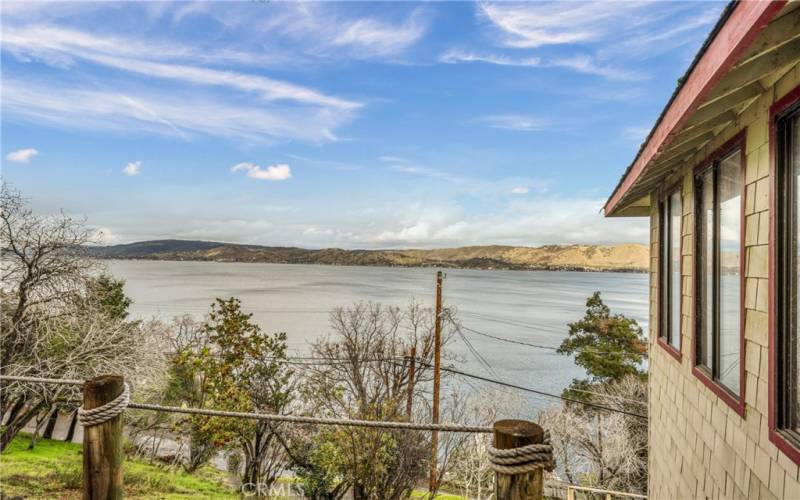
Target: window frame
(787, 441)
(703, 373)
(664, 227)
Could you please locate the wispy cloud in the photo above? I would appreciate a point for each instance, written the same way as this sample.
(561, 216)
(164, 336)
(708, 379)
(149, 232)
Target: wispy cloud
(602, 33)
(381, 38)
(536, 24)
(589, 65)
(328, 32)
(520, 190)
(132, 168)
(426, 172)
(519, 123)
(580, 63)
(278, 172)
(465, 56)
(22, 155)
(58, 47)
(392, 159)
(174, 115)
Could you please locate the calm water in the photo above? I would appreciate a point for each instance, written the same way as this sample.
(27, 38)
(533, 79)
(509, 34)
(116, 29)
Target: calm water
(523, 305)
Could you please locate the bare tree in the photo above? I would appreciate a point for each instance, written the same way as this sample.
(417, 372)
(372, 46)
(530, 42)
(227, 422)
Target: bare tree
(43, 265)
(365, 378)
(601, 448)
(49, 324)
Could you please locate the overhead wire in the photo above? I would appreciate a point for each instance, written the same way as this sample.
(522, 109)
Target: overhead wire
(536, 391)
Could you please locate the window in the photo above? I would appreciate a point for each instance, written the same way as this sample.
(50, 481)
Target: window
(718, 308)
(671, 214)
(787, 278)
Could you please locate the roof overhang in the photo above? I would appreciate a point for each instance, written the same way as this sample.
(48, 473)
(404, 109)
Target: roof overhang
(752, 45)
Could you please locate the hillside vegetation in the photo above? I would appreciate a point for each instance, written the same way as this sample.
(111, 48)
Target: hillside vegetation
(622, 257)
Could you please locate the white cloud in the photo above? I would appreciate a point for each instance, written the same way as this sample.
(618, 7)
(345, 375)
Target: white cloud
(581, 63)
(535, 24)
(603, 31)
(380, 38)
(57, 46)
(22, 155)
(520, 190)
(461, 56)
(178, 114)
(104, 236)
(423, 171)
(392, 159)
(520, 123)
(527, 222)
(132, 168)
(587, 64)
(277, 172)
(377, 220)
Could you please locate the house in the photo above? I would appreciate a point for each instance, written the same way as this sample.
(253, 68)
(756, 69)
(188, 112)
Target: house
(719, 176)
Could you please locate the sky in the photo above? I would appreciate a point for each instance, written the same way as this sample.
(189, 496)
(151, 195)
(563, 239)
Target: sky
(352, 125)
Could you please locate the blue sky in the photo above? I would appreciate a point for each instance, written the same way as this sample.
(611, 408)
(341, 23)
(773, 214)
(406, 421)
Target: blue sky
(356, 125)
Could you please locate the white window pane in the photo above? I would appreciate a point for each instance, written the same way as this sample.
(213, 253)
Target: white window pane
(730, 227)
(675, 269)
(706, 271)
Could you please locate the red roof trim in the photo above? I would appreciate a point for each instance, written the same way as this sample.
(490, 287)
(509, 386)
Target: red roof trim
(745, 23)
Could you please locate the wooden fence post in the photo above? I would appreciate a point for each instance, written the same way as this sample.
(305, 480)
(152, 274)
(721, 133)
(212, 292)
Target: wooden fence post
(514, 434)
(102, 444)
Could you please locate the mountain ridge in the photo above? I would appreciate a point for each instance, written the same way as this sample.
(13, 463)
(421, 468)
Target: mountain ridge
(625, 257)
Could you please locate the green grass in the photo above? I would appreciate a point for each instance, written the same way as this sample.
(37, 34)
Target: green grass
(439, 496)
(53, 470)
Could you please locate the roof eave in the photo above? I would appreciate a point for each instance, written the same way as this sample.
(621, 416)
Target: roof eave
(739, 25)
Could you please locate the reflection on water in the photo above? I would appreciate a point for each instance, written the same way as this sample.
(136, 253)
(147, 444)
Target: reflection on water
(522, 305)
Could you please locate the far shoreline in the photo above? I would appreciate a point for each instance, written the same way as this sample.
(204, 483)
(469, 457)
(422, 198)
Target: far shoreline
(579, 269)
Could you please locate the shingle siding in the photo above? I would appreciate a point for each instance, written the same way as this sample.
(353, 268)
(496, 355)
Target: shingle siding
(700, 447)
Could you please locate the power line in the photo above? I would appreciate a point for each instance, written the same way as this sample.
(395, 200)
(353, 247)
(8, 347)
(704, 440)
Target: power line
(538, 346)
(306, 361)
(510, 322)
(536, 391)
(318, 361)
(511, 341)
(476, 354)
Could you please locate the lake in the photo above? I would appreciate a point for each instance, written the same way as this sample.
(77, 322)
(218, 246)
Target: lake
(528, 306)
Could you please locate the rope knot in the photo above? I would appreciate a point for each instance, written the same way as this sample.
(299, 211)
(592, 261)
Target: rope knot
(106, 412)
(523, 459)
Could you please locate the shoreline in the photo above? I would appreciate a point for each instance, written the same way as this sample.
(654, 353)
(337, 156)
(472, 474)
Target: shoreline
(438, 265)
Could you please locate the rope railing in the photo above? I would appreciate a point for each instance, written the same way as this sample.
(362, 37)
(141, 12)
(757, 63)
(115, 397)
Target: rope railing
(124, 402)
(519, 457)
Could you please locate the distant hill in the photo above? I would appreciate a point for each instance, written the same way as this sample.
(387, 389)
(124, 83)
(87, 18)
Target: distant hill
(623, 257)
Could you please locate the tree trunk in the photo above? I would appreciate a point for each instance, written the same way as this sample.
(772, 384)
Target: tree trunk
(18, 405)
(13, 426)
(71, 432)
(51, 424)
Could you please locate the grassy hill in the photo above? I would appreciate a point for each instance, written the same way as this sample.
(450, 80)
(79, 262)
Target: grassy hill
(622, 257)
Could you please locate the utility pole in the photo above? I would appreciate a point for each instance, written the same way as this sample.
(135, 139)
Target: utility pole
(437, 362)
(413, 360)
